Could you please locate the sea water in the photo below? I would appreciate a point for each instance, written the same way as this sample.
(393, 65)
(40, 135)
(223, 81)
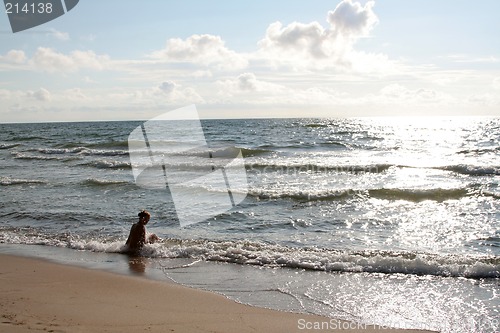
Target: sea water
(387, 221)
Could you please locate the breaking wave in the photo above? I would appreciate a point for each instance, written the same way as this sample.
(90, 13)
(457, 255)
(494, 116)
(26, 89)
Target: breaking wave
(294, 168)
(82, 151)
(103, 182)
(272, 255)
(473, 170)
(7, 181)
(413, 195)
(8, 146)
(108, 164)
(23, 156)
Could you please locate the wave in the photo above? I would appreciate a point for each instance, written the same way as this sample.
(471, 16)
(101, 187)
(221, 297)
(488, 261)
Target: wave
(417, 195)
(7, 181)
(336, 144)
(31, 236)
(490, 241)
(22, 156)
(295, 168)
(108, 164)
(329, 260)
(102, 182)
(97, 152)
(413, 195)
(58, 151)
(105, 144)
(220, 152)
(316, 125)
(249, 152)
(275, 256)
(8, 146)
(472, 170)
(81, 151)
(479, 151)
(110, 144)
(327, 195)
(26, 138)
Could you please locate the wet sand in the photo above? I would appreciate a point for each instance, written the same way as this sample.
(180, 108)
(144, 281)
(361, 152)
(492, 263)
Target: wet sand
(40, 296)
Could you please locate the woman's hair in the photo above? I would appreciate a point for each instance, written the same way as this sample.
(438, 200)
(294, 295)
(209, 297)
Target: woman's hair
(144, 213)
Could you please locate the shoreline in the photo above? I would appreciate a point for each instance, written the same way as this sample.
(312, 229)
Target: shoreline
(41, 296)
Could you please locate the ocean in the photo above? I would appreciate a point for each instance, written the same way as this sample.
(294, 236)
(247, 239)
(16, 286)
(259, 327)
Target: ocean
(389, 221)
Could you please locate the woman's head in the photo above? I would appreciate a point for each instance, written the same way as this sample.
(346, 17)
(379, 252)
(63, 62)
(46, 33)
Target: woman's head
(144, 216)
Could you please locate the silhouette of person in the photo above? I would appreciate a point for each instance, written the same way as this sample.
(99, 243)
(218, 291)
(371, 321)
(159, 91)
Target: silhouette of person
(137, 237)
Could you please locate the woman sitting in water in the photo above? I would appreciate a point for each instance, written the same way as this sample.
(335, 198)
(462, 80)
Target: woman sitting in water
(137, 237)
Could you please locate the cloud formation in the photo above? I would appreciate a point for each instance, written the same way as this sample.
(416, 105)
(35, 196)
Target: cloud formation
(296, 45)
(47, 60)
(294, 65)
(351, 20)
(312, 45)
(496, 83)
(167, 87)
(206, 50)
(401, 95)
(41, 95)
(167, 91)
(248, 89)
(14, 57)
(62, 36)
(247, 83)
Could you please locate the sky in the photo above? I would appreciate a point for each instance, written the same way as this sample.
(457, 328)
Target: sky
(124, 60)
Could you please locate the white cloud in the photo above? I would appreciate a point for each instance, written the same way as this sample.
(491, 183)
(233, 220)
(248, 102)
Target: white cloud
(361, 62)
(49, 60)
(173, 92)
(247, 83)
(5, 94)
(394, 91)
(318, 96)
(75, 94)
(167, 87)
(496, 83)
(166, 92)
(351, 19)
(202, 74)
(62, 36)
(89, 80)
(401, 95)
(14, 57)
(315, 47)
(41, 95)
(464, 58)
(46, 59)
(205, 50)
(298, 38)
(484, 99)
(247, 89)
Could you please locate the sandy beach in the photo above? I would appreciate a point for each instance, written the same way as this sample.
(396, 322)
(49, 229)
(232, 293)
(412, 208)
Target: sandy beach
(40, 296)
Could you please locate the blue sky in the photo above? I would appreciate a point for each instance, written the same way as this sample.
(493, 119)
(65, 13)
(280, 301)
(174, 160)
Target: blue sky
(120, 59)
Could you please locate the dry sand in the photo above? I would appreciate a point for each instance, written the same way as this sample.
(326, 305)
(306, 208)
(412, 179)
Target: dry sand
(39, 296)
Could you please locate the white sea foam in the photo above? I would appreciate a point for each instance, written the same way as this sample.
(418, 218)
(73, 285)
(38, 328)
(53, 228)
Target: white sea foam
(261, 254)
(6, 181)
(8, 145)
